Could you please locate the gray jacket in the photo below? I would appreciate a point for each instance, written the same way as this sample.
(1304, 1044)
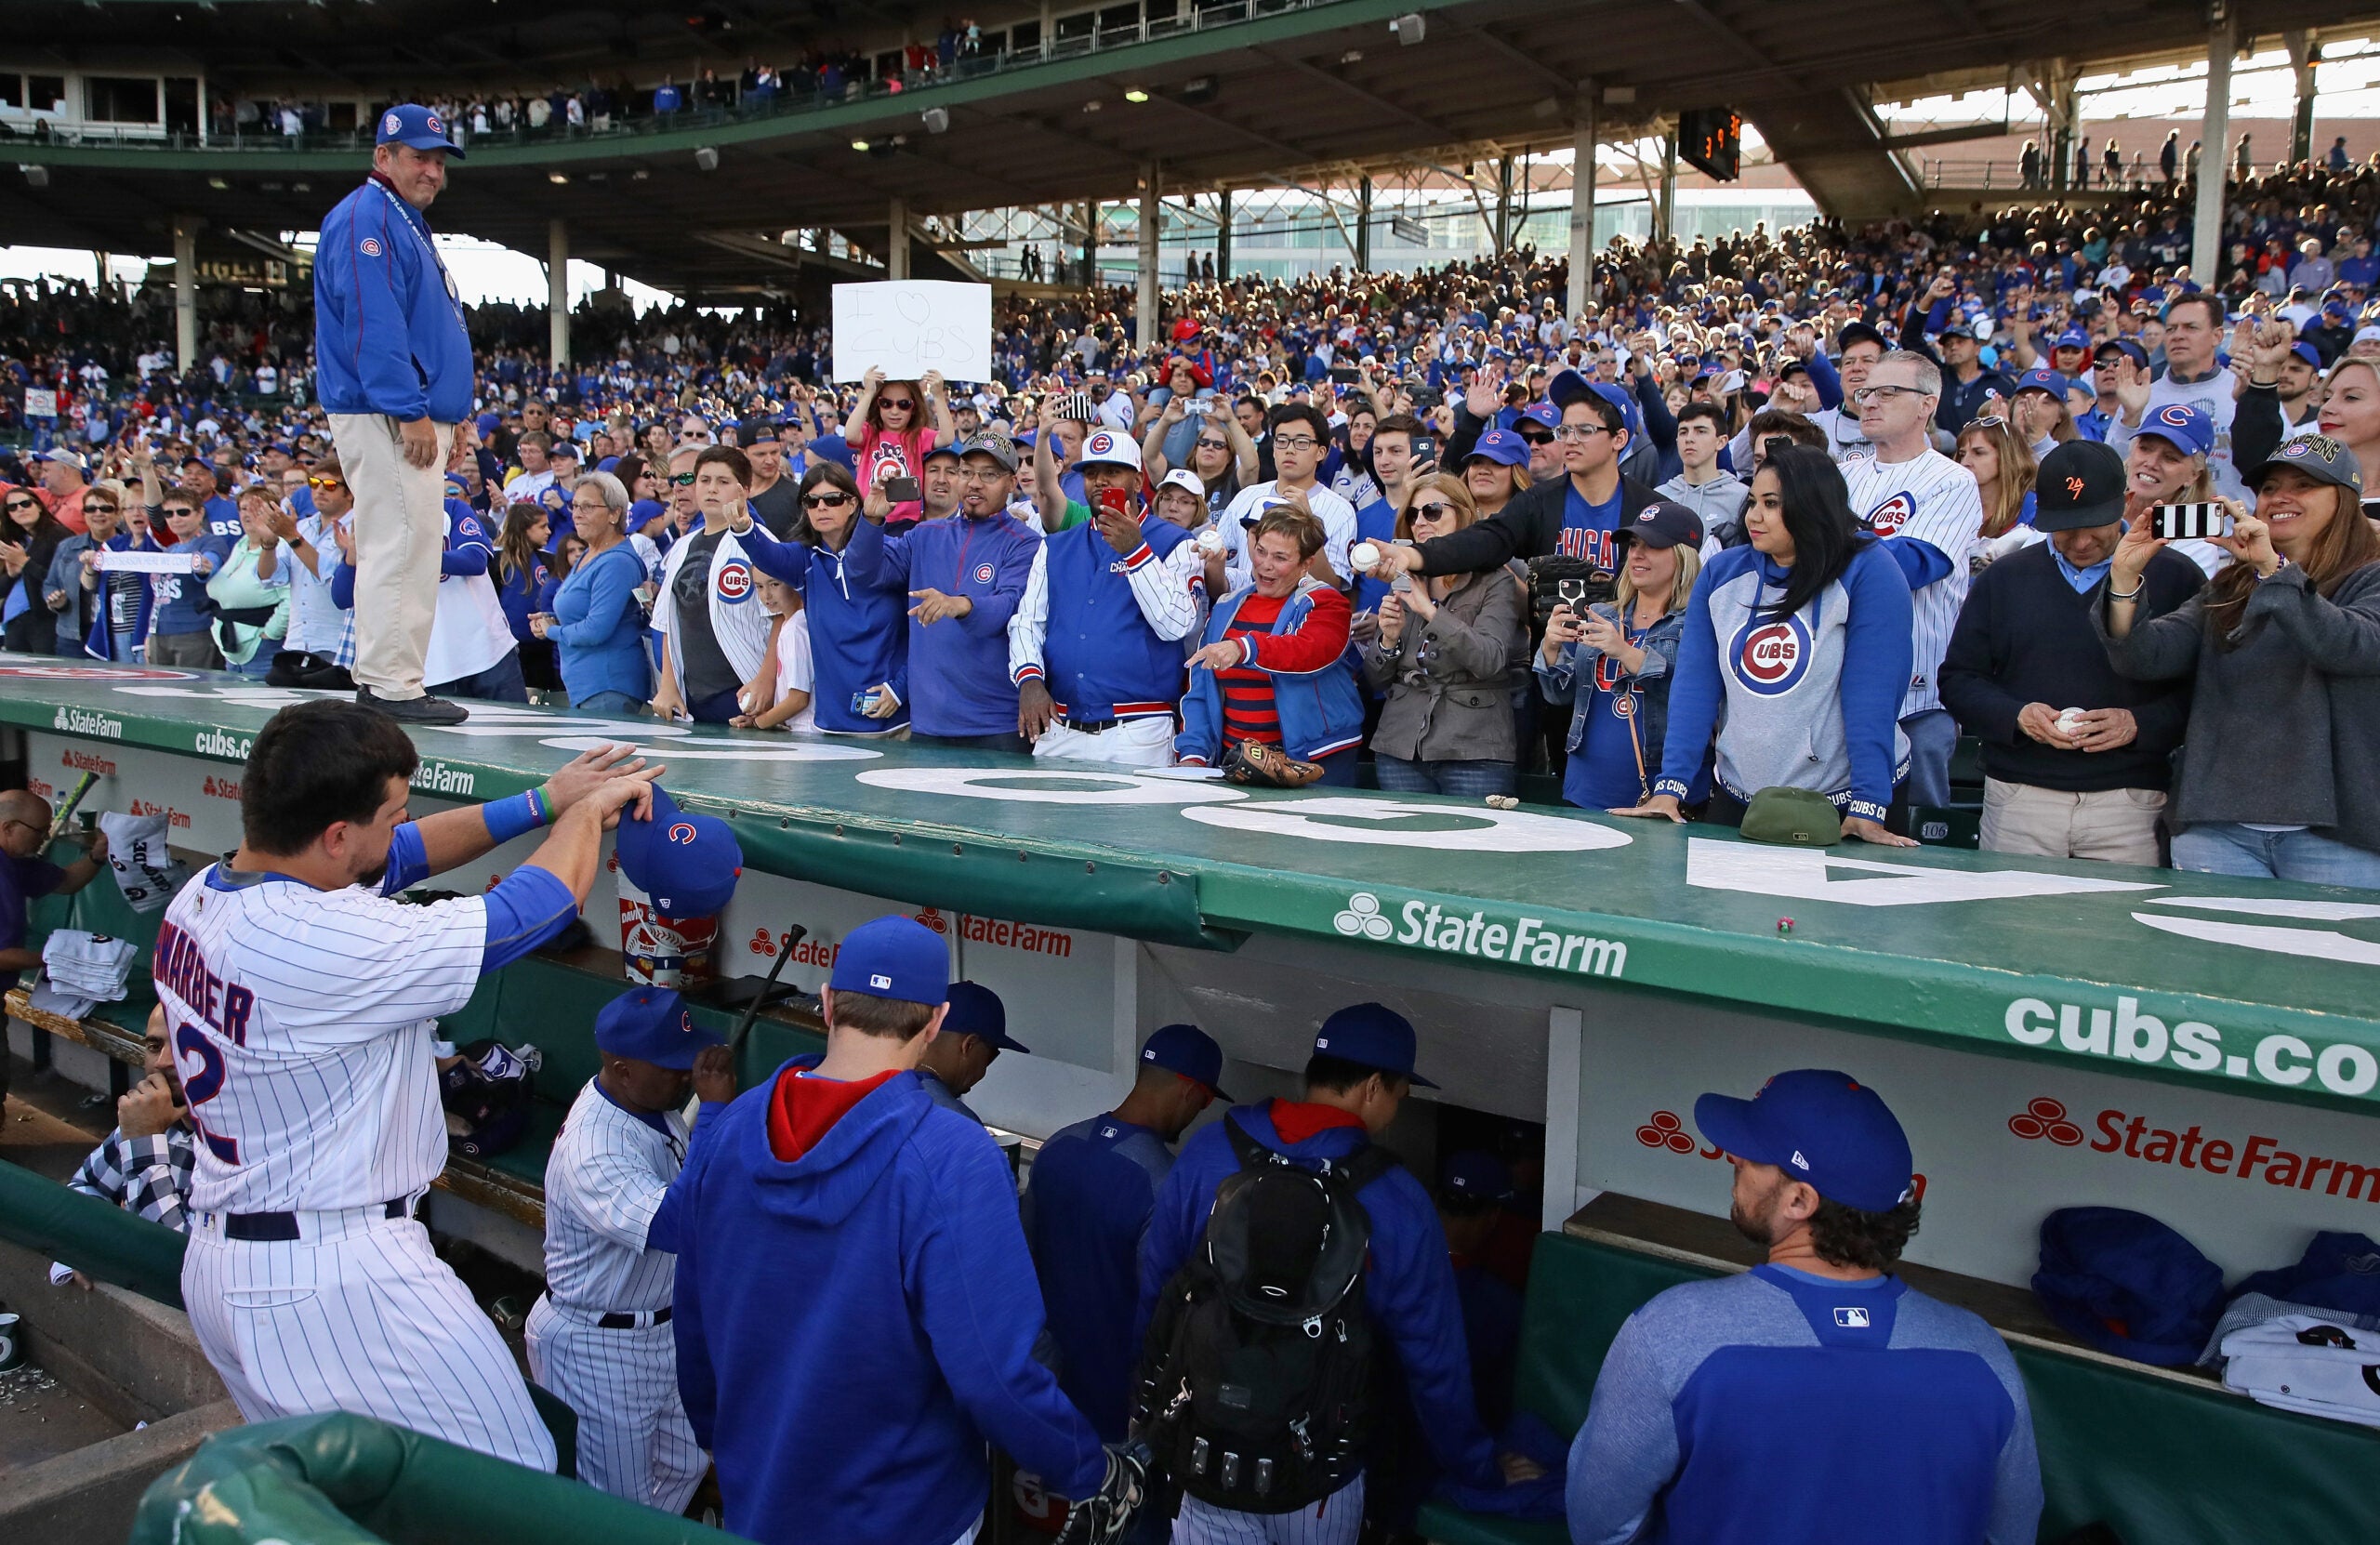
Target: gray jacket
(1719, 503)
(2284, 729)
(1450, 679)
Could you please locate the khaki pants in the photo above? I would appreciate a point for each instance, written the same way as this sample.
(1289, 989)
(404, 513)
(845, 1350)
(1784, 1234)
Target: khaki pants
(400, 535)
(2115, 826)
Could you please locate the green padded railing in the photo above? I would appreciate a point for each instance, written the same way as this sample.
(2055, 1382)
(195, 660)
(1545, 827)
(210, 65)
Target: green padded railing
(348, 1480)
(102, 1242)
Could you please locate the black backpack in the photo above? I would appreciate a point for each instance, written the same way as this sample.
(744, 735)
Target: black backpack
(1255, 1380)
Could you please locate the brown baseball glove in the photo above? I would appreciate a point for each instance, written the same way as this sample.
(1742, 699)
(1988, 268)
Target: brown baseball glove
(1257, 761)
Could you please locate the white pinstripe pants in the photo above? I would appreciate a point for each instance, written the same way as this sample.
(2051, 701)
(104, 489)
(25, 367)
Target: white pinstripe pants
(1335, 1520)
(634, 1440)
(366, 1319)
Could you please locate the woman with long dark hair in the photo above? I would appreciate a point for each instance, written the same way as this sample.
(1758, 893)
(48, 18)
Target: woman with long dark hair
(29, 539)
(1804, 637)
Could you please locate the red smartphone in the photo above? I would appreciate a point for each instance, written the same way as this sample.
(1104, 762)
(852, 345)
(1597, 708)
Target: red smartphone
(1115, 501)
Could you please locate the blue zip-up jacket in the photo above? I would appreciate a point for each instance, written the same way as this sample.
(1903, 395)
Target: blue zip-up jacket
(859, 637)
(1095, 1185)
(861, 1415)
(1101, 657)
(597, 631)
(1321, 711)
(389, 333)
(958, 666)
(1408, 1278)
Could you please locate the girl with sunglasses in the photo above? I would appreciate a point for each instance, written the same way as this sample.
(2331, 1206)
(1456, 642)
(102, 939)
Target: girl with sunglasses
(29, 540)
(895, 433)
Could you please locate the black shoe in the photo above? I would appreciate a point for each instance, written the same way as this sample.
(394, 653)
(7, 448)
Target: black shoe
(413, 710)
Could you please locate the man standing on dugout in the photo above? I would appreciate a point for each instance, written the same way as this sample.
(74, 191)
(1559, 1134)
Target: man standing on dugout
(394, 361)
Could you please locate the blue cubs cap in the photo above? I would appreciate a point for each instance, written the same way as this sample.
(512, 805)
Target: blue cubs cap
(1373, 1035)
(1821, 1127)
(417, 127)
(2073, 337)
(2044, 380)
(894, 957)
(2125, 347)
(687, 863)
(1477, 1175)
(652, 1025)
(2187, 428)
(950, 449)
(2307, 352)
(977, 1010)
(2126, 1284)
(1500, 446)
(1188, 1050)
(1544, 412)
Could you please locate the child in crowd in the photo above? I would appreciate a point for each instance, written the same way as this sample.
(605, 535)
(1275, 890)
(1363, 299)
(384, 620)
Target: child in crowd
(777, 697)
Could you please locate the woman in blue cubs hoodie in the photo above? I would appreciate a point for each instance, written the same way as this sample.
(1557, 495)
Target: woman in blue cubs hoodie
(1804, 637)
(859, 633)
(855, 1308)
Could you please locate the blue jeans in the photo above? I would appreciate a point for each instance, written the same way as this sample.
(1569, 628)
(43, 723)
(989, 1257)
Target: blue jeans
(718, 708)
(501, 682)
(2227, 848)
(1470, 779)
(1932, 734)
(612, 702)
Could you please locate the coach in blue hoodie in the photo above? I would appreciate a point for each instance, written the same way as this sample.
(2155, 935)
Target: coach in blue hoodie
(1361, 1070)
(855, 1309)
(393, 366)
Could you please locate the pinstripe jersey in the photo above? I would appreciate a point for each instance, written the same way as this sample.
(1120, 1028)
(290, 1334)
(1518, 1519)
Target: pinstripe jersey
(1932, 499)
(731, 593)
(302, 1022)
(604, 1180)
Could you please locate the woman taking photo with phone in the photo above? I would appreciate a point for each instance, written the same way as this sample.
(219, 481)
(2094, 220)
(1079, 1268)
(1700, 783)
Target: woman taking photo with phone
(1804, 637)
(1614, 662)
(2287, 635)
(1443, 655)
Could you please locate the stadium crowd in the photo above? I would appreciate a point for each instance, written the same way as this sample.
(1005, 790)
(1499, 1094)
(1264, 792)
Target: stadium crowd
(1788, 508)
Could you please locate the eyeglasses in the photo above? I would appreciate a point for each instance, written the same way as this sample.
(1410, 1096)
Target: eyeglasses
(898, 401)
(1295, 442)
(683, 480)
(1987, 421)
(90, 505)
(825, 501)
(173, 510)
(1433, 513)
(23, 504)
(1538, 439)
(1868, 395)
(1214, 445)
(325, 483)
(1572, 433)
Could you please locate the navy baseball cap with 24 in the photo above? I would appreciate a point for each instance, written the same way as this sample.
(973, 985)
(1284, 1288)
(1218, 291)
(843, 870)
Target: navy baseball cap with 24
(894, 957)
(1188, 1050)
(417, 127)
(652, 1025)
(1821, 1127)
(977, 1010)
(687, 863)
(1373, 1035)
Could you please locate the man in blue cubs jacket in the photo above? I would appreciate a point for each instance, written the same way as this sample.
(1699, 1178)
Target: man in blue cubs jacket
(393, 363)
(1361, 1070)
(837, 1186)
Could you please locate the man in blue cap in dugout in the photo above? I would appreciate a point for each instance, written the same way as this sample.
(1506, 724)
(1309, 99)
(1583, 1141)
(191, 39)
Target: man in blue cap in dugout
(1869, 1411)
(1093, 1188)
(974, 1036)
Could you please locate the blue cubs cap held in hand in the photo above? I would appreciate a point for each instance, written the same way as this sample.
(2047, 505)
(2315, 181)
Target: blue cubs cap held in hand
(894, 957)
(652, 1025)
(1821, 1127)
(1373, 1035)
(687, 863)
(977, 1010)
(1188, 1050)
(417, 127)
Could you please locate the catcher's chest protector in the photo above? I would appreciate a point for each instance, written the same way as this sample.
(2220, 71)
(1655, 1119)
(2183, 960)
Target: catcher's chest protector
(1255, 1380)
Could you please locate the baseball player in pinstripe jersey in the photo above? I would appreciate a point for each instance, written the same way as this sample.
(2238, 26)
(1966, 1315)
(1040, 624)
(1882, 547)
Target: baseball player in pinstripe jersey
(304, 999)
(599, 1337)
(1927, 511)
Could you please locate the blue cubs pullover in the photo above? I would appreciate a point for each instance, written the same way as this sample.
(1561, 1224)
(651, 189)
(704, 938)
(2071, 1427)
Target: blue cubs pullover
(1408, 1279)
(1099, 656)
(389, 331)
(958, 666)
(1778, 1407)
(859, 637)
(1094, 1186)
(853, 1327)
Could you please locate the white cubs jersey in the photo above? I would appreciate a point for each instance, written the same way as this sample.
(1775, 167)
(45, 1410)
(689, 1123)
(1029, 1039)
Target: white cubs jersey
(1934, 500)
(730, 595)
(470, 632)
(302, 1022)
(1338, 517)
(604, 1180)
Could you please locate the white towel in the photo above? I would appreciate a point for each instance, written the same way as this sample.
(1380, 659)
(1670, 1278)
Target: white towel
(146, 870)
(92, 966)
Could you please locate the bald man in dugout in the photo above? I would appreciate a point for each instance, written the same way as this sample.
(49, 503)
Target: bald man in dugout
(25, 877)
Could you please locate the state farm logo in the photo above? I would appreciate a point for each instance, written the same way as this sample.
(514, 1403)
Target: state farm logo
(1666, 1130)
(84, 761)
(932, 917)
(1362, 917)
(2045, 1118)
(175, 819)
(221, 788)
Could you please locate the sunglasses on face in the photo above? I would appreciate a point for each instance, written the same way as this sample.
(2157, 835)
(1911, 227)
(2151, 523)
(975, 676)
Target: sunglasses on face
(1214, 445)
(325, 483)
(900, 402)
(1431, 512)
(683, 480)
(825, 501)
(177, 512)
(1538, 439)
(23, 504)
(91, 504)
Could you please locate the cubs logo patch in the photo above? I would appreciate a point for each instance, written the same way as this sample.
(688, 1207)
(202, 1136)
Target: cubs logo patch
(369, 246)
(1099, 445)
(2174, 415)
(984, 574)
(683, 833)
(430, 122)
(734, 582)
(1771, 655)
(391, 123)
(1887, 518)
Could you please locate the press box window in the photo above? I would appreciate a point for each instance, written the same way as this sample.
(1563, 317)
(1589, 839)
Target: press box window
(119, 100)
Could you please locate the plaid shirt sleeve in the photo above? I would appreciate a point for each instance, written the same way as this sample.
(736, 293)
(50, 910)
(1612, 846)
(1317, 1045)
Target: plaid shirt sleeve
(147, 1176)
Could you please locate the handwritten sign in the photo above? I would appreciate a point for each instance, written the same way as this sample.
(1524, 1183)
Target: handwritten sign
(906, 327)
(40, 404)
(149, 562)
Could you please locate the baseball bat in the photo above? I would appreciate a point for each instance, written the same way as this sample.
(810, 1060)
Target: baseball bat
(66, 808)
(791, 937)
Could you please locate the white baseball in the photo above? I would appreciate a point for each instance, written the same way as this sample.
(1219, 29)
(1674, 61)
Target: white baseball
(1366, 554)
(1211, 540)
(2070, 721)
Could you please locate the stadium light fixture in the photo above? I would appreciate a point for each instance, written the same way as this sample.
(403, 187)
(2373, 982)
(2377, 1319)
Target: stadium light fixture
(860, 145)
(1409, 28)
(1136, 95)
(558, 179)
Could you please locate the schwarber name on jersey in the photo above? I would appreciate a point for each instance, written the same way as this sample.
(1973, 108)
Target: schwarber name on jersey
(1930, 499)
(302, 1022)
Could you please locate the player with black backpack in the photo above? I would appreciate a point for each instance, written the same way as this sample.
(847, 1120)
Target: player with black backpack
(1283, 1249)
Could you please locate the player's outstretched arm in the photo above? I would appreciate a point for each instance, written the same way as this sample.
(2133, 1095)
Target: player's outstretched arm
(453, 837)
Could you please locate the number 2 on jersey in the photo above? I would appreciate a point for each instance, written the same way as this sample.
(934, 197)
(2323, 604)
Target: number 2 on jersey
(204, 1084)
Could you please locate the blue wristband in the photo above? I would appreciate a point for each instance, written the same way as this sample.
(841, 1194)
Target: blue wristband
(509, 818)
